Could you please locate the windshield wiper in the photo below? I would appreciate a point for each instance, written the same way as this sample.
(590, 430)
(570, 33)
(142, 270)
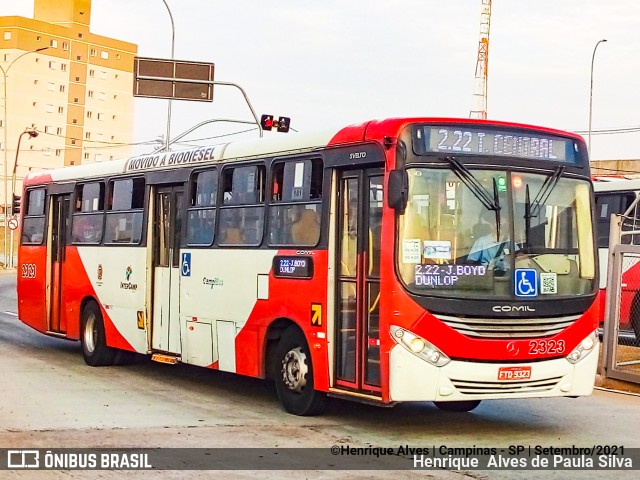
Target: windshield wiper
(532, 209)
(481, 193)
(475, 186)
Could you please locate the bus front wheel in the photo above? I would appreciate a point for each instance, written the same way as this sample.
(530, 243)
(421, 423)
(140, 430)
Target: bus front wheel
(464, 406)
(92, 337)
(294, 375)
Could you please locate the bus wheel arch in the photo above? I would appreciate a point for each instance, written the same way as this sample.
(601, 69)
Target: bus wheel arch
(292, 369)
(95, 351)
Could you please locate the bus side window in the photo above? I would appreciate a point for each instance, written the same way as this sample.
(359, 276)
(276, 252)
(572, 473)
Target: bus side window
(33, 223)
(87, 226)
(295, 210)
(124, 211)
(242, 211)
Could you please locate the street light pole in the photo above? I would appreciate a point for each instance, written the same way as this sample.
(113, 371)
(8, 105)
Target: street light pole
(593, 57)
(32, 134)
(173, 43)
(5, 147)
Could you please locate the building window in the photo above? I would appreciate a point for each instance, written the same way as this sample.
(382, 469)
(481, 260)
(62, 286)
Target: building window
(51, 86)
(94, 52)
(59, 131)
(73, 141)
(78, 57)
(103, 75)
(118, 56)
(52, 65)
(98, 157)
(63, 67)
(47, 152)
(79, 35)
(76, 100)
(89, 114)
(53, 43)
(35, 82)
(7, 35)
(1, 123)
(90, 94)
(6, 57)
(58, 152)
(113, 117)
(35, 104)
(104, 55)
(65, 46)
(100, 116)
(62, 88)
(86, 156)
(60, 109)
(87, 135)
(47, 128)
(49, 108)
(102, 96)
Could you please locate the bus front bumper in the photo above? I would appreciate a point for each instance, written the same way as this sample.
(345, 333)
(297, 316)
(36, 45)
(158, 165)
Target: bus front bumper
(413, 379)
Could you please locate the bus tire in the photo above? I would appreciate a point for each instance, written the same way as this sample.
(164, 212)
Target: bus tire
(464, 406)
(294, 375)
(93, 339)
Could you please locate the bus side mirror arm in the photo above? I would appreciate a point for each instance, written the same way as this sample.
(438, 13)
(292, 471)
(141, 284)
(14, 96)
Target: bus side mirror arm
(398, 191)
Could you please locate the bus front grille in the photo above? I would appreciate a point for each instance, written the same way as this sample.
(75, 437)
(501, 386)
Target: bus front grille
(508, 327)
(468, 387)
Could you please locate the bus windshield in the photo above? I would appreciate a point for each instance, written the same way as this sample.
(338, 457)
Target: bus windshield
(534, 238)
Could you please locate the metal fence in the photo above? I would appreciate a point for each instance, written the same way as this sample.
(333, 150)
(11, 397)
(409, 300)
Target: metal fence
(622, 314)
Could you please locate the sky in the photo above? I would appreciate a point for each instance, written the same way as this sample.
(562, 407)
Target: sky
(331, 63)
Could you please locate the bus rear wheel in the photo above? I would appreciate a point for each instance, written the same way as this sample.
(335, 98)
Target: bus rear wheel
(92, 337)
(464, 406)
(294, 375)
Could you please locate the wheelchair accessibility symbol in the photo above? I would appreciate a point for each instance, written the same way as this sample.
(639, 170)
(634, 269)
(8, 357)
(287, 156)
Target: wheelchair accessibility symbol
(526, 282)
(185, 264)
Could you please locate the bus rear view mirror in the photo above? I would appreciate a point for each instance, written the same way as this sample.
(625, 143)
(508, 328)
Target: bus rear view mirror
(398, 190)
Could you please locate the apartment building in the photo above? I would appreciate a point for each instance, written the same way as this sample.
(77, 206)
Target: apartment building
(72, 86)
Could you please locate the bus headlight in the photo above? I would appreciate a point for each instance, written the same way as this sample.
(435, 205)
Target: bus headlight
(583, 349)
(419, 346)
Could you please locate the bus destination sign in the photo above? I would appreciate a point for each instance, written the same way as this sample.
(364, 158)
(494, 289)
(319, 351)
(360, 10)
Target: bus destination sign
(489, 141)
(292, 267)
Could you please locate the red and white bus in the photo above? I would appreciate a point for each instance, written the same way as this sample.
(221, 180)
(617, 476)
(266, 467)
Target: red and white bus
(343, 264)
(616, 195)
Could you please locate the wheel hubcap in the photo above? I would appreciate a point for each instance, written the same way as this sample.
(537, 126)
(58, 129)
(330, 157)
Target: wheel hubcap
(90, 333)
(294, 369)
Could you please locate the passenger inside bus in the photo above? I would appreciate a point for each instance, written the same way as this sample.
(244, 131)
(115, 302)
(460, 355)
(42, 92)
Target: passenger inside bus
(306, 231)
(487, 248)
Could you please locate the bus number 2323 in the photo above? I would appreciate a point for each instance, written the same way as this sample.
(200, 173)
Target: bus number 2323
(541, 347)
(28, 270)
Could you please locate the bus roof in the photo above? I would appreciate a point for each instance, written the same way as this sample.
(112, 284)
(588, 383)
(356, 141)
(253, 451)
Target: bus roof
(273, 145)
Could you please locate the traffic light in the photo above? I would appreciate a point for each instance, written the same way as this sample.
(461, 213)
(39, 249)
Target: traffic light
(267, 122)
(283, 124)
(15, 205)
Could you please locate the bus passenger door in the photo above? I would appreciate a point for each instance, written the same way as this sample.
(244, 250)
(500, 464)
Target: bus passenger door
(359, 226)
(59, 228)
(167, 228)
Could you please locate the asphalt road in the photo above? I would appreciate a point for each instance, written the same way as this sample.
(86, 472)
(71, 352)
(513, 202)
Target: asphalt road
(50, 399)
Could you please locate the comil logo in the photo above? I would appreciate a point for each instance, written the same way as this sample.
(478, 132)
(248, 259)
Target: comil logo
(23, 459)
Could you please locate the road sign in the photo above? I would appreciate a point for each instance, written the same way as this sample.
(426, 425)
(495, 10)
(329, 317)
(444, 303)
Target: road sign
(172, 79)
(13, 223)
